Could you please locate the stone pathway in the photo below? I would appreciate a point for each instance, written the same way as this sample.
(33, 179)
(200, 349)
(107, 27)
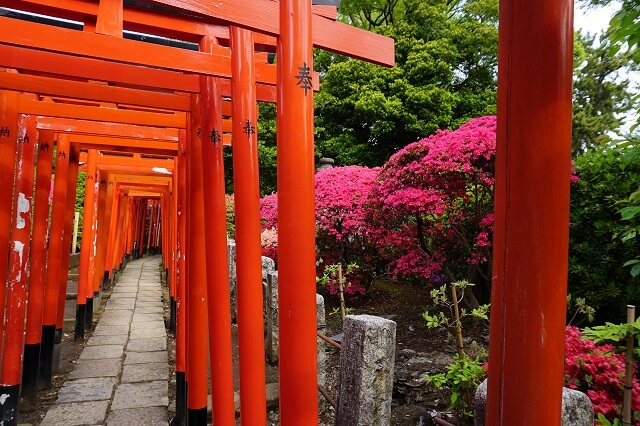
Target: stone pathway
(121, 375)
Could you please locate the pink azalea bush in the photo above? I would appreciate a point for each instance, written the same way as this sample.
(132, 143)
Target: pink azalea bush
(598, 371)
(269, 243)
(269, 211)
(341, 234)
(341, 230)
(431, 209)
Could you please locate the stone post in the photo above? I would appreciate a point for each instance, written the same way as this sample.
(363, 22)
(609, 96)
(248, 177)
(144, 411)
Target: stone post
(366, 371)
(272, 316)
(322, 356)
(577, 409)
(231, 251)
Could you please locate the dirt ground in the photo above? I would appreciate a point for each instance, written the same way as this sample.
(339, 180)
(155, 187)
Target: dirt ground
(419, 350)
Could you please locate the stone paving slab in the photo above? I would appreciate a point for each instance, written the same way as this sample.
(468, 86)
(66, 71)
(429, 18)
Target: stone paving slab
(96, 368)
(147, 345)
(110, 330)
(93, 389)
(118, 308)
(102, 352)
(147, 317)
(148, 394)
(145, 333)
(148, 324)
(76, 414)
(125, 289)
(146, 357)
(121, 295)
(150, 293)
(150, 304)
(117, 313)
(144, 372)
(148, 416)
(148, 310)
(117, 339)
(149, 299)
(116, 320)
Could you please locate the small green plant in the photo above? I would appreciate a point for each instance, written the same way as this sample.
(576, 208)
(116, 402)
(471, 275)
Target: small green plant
(333, 277)
(463, 377)
(601, 420)
(465, 373)
(614, 333)
(337, 311)
(579, 307)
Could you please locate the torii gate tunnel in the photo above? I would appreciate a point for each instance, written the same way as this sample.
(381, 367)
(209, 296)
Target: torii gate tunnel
(148, 123)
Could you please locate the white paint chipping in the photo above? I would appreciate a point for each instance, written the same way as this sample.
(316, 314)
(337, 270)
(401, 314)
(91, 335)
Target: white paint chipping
(162, 170)
(3, 398)
(18, 247)
(24, 206)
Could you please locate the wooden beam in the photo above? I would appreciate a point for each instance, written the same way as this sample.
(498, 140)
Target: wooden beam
(178, 27)
(53, 109)
(96, 92)
(96, 69)
(91, 45)
(46, 123)
(263, 16)
(137, 145)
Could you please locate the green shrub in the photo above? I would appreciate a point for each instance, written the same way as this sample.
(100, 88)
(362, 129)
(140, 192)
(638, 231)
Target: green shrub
(597, 252)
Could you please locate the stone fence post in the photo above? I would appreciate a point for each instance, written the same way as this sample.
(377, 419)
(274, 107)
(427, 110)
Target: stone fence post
(367, 360)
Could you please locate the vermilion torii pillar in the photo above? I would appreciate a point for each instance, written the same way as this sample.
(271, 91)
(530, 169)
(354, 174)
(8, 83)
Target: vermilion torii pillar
(16, 302)
(533, 167)
(52, 285)
(247, 215)
(37, 273)
(88, 224)
(215, 221)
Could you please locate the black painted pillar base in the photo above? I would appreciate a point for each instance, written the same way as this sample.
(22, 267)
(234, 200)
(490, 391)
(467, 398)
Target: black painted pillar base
(197, 416)
(113, 277)
(88, 319)
(46, 356)
(57, 348)
(30, 377)
(172, 315)
(180, 418)
(81, 312)
(105, 280)
(9, 407)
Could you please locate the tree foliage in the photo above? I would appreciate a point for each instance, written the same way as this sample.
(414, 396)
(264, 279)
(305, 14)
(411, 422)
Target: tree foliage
(596, 250)
(445, 74)
(601, 92)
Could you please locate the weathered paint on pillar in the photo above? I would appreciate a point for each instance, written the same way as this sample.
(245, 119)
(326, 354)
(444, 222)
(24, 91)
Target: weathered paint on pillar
(66, 243)
(296, 217)
(54, 256)
(37, 273)
(533, 166)
(247, 209)
(8, 138)
(197, 288)
(215, 222)
(16, 302)
(181, 293)
(87, 244)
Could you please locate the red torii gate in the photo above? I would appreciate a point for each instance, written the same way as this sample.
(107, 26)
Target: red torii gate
(531, 209)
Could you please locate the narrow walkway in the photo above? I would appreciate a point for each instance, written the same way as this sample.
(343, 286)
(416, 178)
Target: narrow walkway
(121, 375)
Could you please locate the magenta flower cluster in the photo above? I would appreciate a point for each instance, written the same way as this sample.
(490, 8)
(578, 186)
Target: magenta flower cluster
(431, 210)
(598, 371)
